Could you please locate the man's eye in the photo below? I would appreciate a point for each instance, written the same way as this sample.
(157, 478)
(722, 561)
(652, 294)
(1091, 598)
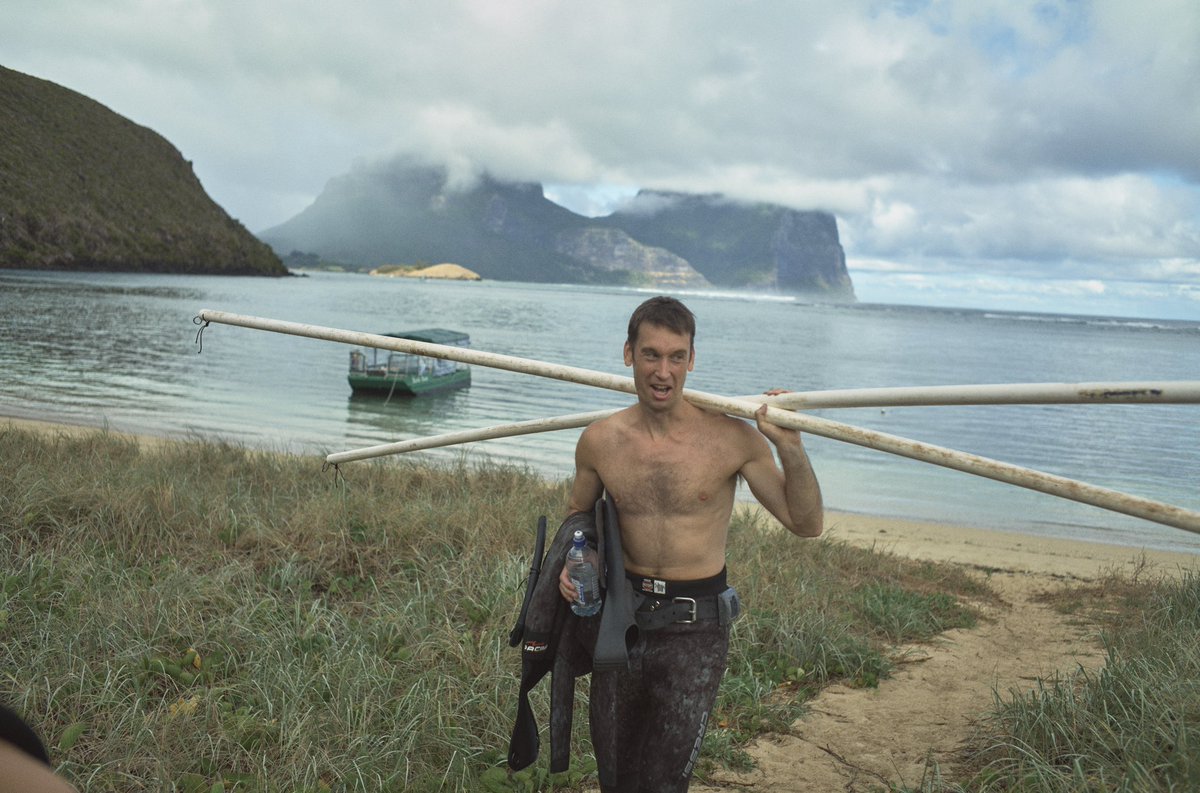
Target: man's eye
(677, 358)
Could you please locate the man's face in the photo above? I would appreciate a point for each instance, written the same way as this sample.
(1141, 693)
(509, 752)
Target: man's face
(661, 359)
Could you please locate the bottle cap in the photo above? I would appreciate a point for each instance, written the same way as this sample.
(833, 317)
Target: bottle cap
(579, 538)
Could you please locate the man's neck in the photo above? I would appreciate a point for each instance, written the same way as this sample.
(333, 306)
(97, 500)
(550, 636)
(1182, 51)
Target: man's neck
(660, 423)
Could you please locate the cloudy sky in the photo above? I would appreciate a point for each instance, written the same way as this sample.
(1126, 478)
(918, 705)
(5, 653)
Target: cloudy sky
(1036, 155)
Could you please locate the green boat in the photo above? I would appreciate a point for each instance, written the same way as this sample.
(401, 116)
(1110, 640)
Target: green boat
(388, 373)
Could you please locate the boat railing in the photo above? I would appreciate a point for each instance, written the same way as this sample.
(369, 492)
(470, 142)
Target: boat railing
(375, 362)
(442, 367)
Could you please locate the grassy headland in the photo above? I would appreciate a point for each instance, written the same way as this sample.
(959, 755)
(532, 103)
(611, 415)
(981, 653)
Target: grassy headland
(187, 614)
(83, 188)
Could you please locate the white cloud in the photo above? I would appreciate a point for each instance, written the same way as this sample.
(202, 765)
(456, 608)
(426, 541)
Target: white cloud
(891, 219)
(1122, 225)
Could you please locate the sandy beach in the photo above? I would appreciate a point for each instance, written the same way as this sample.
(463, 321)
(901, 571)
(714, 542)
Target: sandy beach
(859, 739)
(985, 549)
(74, 430)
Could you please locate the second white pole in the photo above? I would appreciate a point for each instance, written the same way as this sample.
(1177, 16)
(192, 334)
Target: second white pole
(981, 466)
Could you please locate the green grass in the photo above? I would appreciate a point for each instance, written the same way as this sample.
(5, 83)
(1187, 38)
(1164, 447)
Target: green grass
(196, 614)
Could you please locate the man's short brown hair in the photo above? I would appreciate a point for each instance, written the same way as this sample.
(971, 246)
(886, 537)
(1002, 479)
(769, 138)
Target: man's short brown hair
(666, 312)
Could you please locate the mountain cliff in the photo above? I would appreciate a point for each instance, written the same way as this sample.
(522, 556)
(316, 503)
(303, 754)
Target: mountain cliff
(82, 188)
(743, 245)
(406, 212)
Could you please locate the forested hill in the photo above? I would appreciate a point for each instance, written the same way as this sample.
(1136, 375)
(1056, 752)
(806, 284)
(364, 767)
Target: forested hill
(82, 188)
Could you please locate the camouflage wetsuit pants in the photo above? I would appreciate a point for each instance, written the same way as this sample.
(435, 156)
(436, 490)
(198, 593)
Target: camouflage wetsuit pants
(648, 721)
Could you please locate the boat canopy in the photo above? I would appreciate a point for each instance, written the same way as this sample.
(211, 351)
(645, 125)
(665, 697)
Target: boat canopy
(434, 336)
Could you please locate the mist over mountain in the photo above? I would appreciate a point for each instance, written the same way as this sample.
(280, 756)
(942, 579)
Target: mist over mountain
(408, 213)
(83, 188)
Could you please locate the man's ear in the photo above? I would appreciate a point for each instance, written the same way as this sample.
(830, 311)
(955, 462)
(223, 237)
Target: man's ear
(628, 355)
(692, 360)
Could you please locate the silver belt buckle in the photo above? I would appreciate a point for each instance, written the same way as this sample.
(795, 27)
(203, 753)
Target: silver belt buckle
(691, 617)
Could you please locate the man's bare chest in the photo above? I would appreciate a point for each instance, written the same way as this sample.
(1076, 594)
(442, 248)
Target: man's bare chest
(669, 479)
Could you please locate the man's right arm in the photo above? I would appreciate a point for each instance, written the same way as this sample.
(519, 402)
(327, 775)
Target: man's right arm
(587, 487)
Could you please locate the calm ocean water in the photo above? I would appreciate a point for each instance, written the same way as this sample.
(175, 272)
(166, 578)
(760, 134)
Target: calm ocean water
(119, 349)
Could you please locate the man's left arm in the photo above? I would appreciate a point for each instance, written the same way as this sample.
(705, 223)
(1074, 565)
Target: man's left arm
(793, 496)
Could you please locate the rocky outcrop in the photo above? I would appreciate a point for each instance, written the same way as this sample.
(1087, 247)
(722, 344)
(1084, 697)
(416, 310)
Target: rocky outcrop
(614, 250)
(808, 255)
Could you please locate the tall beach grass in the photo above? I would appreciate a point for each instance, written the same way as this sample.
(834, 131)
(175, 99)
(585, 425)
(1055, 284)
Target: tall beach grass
(197, 615)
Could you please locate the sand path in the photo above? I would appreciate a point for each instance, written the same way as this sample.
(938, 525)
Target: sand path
(866, 739)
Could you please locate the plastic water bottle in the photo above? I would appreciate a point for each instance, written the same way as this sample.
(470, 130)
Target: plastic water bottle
(581, 569)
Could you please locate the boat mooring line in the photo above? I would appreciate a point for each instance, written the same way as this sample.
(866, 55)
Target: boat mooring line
(1051, 484)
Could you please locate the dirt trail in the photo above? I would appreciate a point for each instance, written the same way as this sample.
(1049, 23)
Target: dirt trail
(858, 740)
(865, 739)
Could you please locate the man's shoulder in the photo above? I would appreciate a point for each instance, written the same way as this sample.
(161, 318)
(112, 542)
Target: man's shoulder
(723, 422)
(607, 427)
(736, 436)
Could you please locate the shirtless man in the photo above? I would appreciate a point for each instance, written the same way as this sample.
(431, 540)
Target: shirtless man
(671, 469)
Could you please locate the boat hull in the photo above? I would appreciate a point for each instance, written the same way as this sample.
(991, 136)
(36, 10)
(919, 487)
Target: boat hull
(408, 385)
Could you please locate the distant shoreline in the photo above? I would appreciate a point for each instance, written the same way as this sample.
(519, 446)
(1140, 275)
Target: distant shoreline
(986, 549)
